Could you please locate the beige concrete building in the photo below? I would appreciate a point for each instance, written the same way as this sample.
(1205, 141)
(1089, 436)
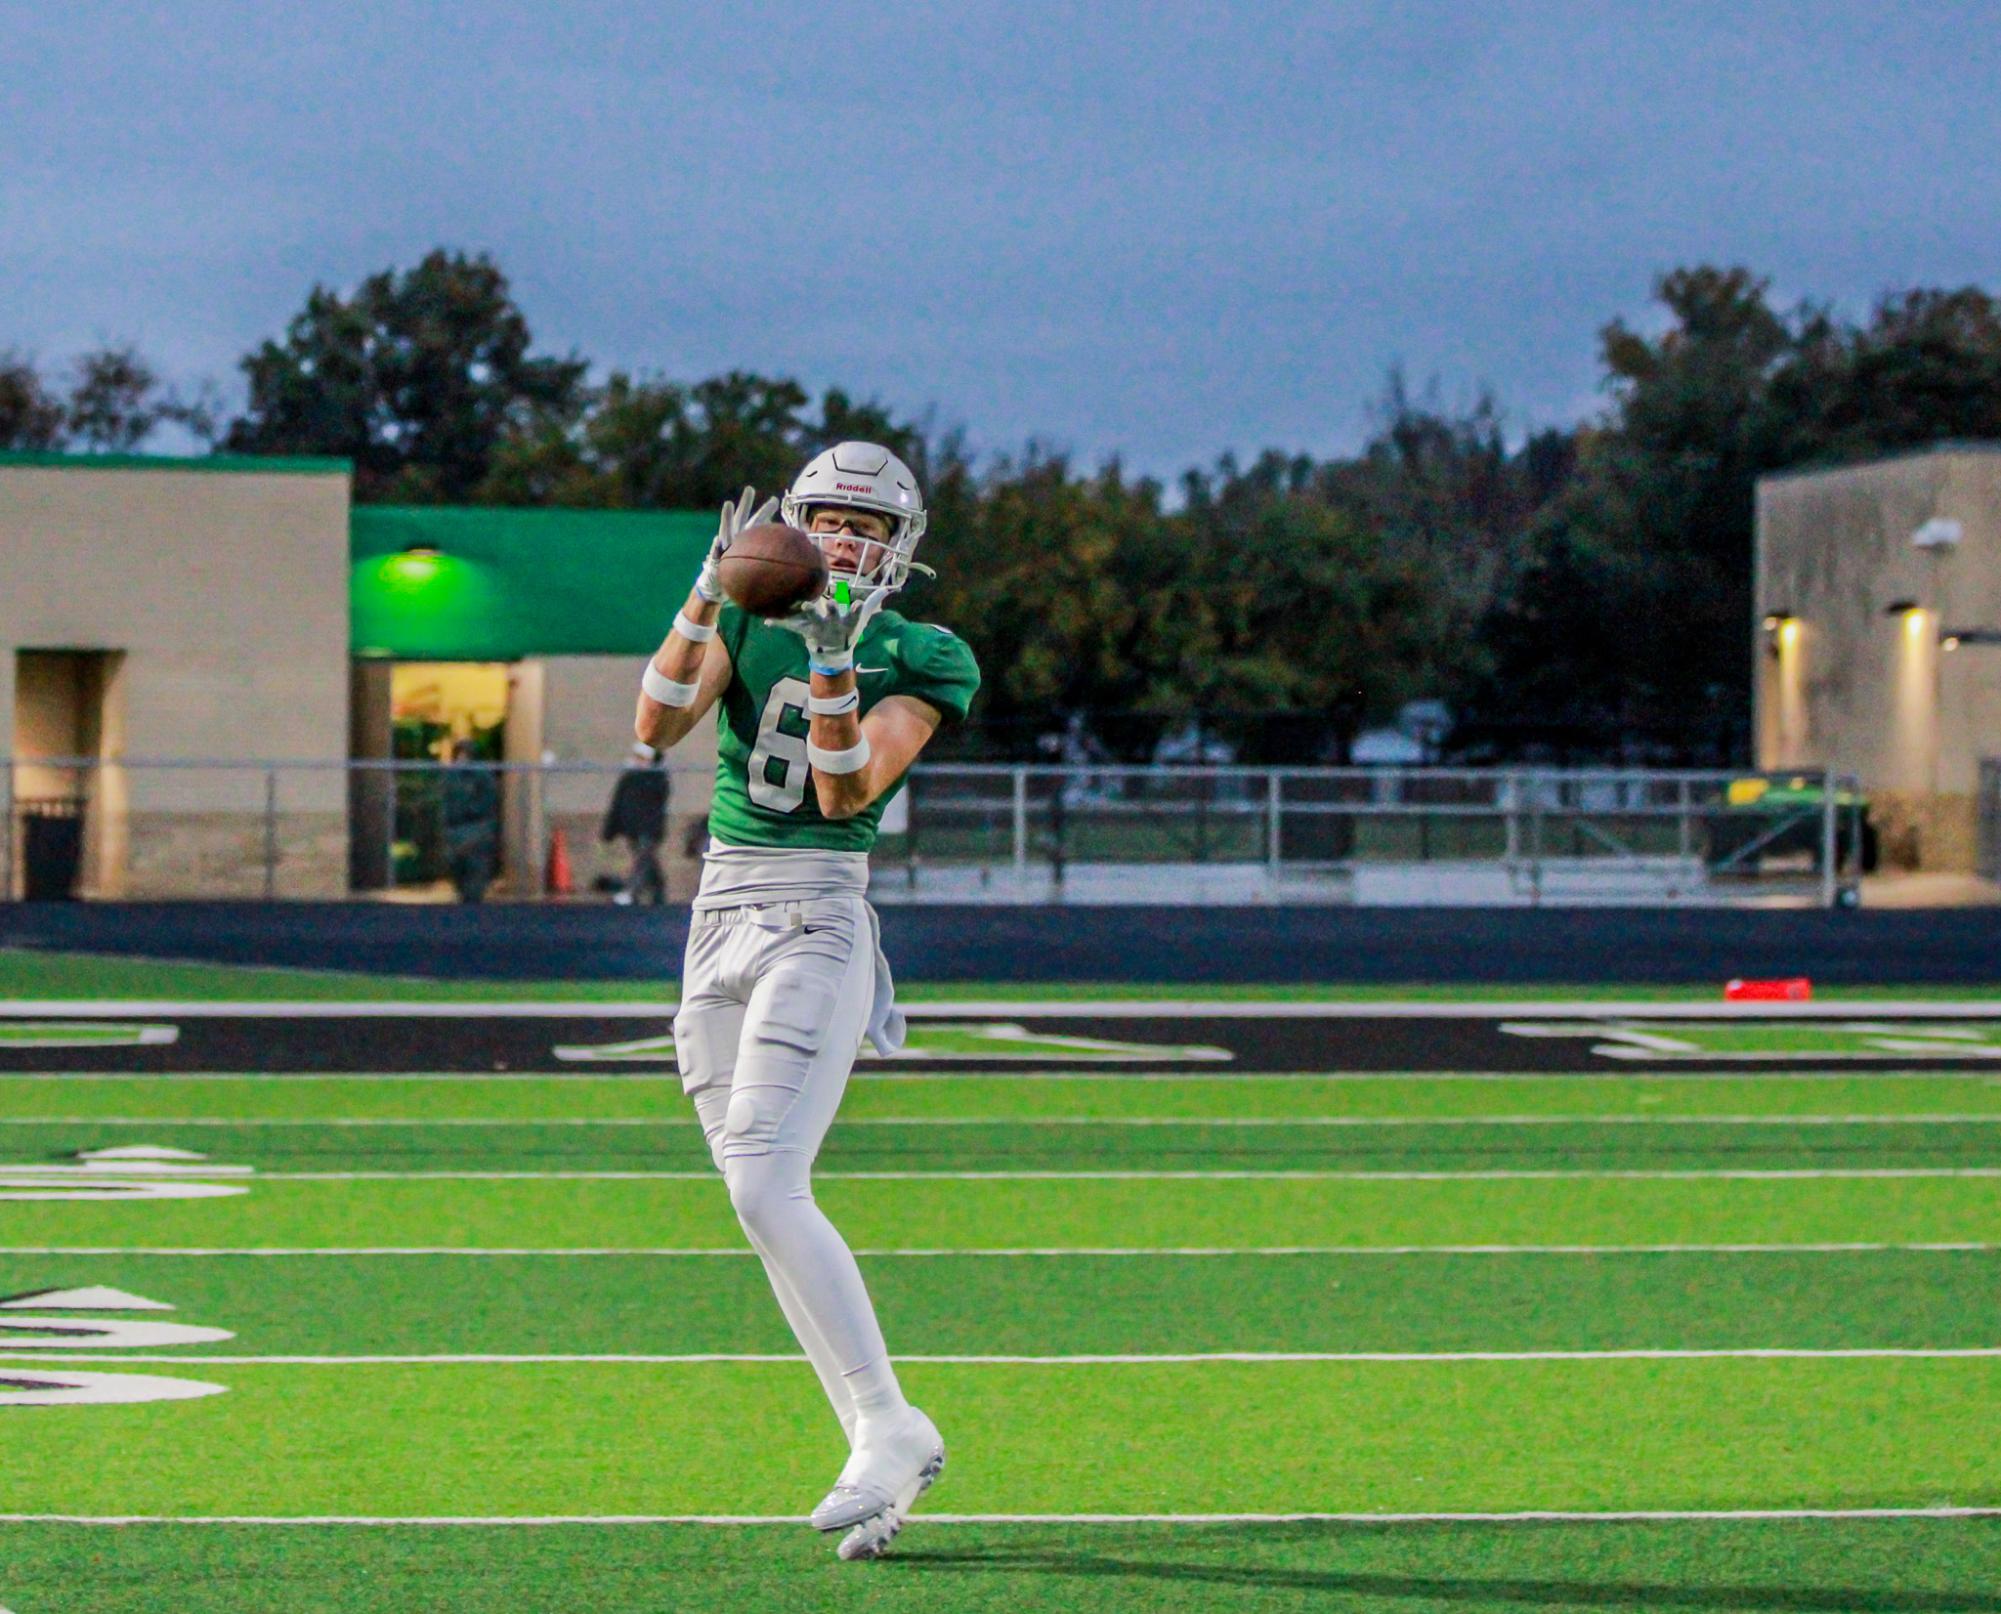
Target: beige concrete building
(192, 610)
(1879, 638)
(192, 651)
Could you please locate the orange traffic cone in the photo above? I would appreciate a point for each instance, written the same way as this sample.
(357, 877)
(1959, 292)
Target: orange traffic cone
(559, 881)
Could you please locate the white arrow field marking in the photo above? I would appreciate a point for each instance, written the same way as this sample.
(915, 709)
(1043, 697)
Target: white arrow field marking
(32, 1035)
(35, 1389)
(14, 1187)
(99, 1333)
(85, 1170)
(77, 1189)
(115, 1163)
(134, 1165)
(96, 1298)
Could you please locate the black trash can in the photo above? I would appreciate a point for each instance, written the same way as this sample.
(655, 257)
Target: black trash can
(51, 848)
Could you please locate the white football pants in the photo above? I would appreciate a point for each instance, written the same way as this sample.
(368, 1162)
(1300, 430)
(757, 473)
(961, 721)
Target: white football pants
(774, 1001)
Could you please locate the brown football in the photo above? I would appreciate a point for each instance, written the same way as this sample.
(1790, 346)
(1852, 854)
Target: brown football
(771, 569)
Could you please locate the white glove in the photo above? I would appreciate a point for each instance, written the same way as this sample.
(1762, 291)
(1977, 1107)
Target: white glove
(737, 518)
(832, 631)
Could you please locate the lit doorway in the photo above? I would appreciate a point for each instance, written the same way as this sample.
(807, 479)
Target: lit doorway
(434, 830)
(69, 811)
(448, 830)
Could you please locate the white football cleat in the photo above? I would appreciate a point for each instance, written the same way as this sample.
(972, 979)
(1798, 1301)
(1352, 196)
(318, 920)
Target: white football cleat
(884, 1466)
(871, 1538)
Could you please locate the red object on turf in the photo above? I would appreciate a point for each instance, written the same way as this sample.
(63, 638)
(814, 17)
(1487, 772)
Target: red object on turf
(559, 881)
(1794, 989)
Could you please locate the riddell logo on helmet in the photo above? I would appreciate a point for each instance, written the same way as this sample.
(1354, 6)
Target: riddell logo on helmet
(853, 487)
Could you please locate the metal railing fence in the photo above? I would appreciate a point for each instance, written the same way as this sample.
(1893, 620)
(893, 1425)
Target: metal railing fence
(1548, 832)
(214, 828)
(208, 827)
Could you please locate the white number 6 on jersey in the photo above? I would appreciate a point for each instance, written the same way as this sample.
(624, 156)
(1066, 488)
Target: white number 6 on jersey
(784, 792)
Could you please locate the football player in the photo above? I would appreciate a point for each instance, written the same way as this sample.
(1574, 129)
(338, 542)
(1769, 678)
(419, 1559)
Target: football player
(822, 713)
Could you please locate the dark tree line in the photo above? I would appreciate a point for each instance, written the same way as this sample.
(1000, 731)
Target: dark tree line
(109, 402)
(1628, 610)
(1584, 592)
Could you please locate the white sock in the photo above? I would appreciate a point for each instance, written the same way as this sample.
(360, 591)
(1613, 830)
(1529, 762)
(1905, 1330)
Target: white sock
(874, 1392)
(774, 1198)
(712, 1106)
(839, 1396)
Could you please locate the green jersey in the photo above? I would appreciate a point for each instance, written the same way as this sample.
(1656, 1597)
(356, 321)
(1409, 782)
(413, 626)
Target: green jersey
(764, 796)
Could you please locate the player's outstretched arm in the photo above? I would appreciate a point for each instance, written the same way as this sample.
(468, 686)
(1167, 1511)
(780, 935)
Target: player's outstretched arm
(885, 744)
(694, 676)
(691, 669)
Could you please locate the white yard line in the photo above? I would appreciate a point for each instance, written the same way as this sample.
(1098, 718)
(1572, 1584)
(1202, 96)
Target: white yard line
(30, 1356)
(1275, 1175)
(639, 1079)
(554, 1520)
(345, 1009)
(869, 1073)
(1407, 1009)
(738, 1252)
(1254, 1121)
(1040, 1009)
(1928, 1119)
(349, 1121)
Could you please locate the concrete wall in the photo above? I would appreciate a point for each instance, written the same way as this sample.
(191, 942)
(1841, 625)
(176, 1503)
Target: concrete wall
(588, 705)
(225, 592)
(1845, 684)
(1970, 677)
(371, 793)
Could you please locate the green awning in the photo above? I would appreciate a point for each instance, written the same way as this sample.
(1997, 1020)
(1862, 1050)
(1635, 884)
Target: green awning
(453, 583)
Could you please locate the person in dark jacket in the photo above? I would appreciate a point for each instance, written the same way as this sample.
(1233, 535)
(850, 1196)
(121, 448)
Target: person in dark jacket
(472, 823)
(638, 812)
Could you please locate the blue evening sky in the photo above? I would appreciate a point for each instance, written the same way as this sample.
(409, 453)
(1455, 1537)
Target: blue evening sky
(1157, 230)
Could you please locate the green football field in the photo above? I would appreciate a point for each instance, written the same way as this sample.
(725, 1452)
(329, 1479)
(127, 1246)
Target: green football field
(28, 973)
(1196, 1340)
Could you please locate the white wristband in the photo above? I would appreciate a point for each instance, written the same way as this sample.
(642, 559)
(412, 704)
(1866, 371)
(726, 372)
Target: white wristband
(694, 632)
(833, 705)
(852, 760)
(665, 690)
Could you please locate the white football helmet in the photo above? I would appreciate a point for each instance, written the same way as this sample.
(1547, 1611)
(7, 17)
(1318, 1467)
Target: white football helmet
(862, 476)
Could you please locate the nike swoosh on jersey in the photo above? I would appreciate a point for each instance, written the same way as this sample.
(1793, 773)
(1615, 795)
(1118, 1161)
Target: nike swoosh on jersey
(871, 670)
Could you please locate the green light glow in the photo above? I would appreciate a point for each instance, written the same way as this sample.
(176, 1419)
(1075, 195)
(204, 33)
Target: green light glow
(413, 568)
(425, 603)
